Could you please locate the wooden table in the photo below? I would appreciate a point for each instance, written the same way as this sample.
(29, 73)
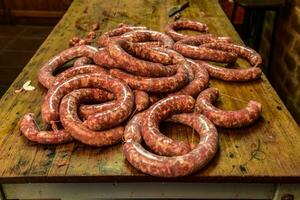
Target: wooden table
(267, 152)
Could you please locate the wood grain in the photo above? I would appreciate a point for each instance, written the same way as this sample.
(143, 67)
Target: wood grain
(264, 152)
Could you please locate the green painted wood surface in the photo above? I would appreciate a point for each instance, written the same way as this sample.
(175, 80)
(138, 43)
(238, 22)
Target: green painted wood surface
(268, 151)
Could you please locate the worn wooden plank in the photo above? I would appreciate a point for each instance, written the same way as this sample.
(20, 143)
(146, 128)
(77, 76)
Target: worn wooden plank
(274, 138)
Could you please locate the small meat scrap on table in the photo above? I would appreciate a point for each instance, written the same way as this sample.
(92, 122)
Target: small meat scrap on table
(135, 79)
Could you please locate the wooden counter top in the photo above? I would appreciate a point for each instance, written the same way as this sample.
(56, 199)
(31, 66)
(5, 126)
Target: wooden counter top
(268, 151)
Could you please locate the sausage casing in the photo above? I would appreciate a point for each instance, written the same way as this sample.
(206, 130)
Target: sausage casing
(106, 37)
(245, 52)
(82, 61)
(141, 100)
(45, 75)
(193, 47)
(116, 115)
(72, 123)
(134, 65)
(176, 166)
(30, 130)
(159, 111)
(76, 70)
(171, 28)
(198, 83)
(227, 74)
(226, 119)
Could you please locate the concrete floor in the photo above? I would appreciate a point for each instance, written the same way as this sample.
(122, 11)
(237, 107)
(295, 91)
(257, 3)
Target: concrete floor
(18, 43)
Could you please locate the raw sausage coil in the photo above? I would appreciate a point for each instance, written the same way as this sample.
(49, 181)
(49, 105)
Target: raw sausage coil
(159, 111)
(45, 75)
(149, 53)
(139, 36)
(162, 84)
(227, 74)
(113, 34)
(106, 100)
(245, 52)
(155, 85)
(30, 130)
(193, 47)
(198, 83)
(176, 166)
(226, 119)
(134, 65)
(114, 116)
(171, 28)
(76, 70)
(72, 123)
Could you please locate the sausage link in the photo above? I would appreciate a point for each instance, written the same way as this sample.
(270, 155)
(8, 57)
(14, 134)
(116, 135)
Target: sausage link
(113, 34)
(76, 70)
(141, 37)
(82, 61)
(138, 36)
(117, 114)
(134, 65)
(190, 70)
(45, 75)
(171, 28)
(148, 53)
(133, 128)
(140, 41)
(226, 119)
(176, 166)
(94, 95)
(72, 123)
(193, 47)
(226, 74)
(30, 130)
(141, 100)
(154, 139)
(138, 45)
(245, 52)
(99, 96)
(157, 54)
(160, 55)
(161, 84)
(87, 110)
(123, 95)
(102, 58)
(152, 44)
(203, 39)
(140, 50)
(199, 82)
(154, 85)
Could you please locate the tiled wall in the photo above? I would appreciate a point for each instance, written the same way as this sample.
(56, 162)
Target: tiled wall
(285, 67)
